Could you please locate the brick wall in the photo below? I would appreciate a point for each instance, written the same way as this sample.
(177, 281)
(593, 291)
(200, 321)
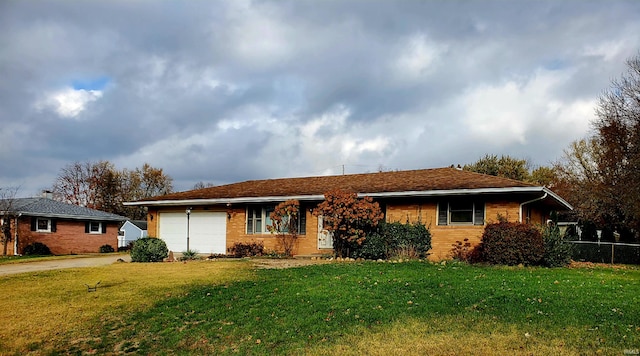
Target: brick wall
(402, 210)
(69, 238)
(306, 244)
(152, 222)
(443, 237)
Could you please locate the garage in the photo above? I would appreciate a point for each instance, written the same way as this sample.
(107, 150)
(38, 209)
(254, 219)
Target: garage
(207, 231)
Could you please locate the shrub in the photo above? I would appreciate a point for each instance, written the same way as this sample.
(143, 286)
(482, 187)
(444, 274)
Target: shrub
(149, 249)
(508, 243)
(557, 252)
(349, 218)
(249, 249)
(410, 240)
(373, 248)
(189, 255)
(36, 249)
(461, 250)
(284, 223)
(106, 249)
(273, 254)
(464, 252)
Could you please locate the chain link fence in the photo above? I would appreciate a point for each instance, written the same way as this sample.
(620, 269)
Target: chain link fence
(606, 252)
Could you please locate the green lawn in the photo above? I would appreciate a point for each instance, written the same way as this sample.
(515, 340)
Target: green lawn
(384, 308)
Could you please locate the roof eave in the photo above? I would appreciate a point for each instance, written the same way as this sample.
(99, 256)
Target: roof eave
(425, 193)
(72, 217)
(558, 198)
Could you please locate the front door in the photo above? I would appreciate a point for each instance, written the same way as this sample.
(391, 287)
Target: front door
(325, 237)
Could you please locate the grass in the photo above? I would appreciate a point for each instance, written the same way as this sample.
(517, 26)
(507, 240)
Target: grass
(52, 310)
(352, 308)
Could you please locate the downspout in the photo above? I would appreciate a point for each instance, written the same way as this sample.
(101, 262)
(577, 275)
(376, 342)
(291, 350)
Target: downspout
(531, 201)
(15, 236)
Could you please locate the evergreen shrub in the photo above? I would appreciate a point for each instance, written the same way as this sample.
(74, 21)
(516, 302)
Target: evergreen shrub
(37, 249)
(149, 249)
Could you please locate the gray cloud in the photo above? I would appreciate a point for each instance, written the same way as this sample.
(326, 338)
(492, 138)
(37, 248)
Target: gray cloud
(223, 91)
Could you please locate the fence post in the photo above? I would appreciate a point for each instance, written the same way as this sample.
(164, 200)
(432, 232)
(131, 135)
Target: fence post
(612, 245)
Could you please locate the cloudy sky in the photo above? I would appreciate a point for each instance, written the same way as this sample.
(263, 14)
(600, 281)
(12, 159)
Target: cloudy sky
(225, 91)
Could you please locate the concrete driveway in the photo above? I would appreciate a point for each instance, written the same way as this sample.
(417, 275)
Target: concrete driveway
(72, 262)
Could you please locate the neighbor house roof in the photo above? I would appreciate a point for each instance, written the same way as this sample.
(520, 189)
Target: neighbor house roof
(423, 182)
(140, 224)
(45, 207)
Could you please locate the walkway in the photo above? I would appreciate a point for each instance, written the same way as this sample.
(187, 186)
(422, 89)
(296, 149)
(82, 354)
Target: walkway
(72, 262)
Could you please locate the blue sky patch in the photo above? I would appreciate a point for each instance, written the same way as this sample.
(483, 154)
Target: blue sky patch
(90, 83)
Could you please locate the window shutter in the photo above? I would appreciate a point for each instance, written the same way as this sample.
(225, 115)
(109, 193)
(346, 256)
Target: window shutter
(302, 221)
(34, 221)
(86, 227)
(53, 225)
(104, 227)
(442, 213)
(249, 221)
(478, 218)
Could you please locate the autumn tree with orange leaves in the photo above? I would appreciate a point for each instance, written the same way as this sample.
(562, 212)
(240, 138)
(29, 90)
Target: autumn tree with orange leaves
(349, 218)
(284, 223)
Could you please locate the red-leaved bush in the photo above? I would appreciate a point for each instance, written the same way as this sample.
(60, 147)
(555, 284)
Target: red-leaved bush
(510, 243)
(349, 218)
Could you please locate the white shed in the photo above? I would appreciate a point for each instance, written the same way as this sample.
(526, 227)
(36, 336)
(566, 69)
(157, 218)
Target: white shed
(130, 231)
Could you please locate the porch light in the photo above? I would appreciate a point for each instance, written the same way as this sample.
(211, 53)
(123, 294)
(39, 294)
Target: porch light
(188, 211)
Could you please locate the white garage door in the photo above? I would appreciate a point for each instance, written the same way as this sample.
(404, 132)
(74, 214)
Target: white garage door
(207, 231)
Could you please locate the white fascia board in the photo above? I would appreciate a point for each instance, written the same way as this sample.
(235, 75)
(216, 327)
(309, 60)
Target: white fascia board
(435, 193)
(478, 191)
(228, 201)
(558, 198)
(426, 193)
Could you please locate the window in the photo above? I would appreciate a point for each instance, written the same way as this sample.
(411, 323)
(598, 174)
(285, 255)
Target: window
(43, 225)
(95, 227)
(460, 213)
(258, 218)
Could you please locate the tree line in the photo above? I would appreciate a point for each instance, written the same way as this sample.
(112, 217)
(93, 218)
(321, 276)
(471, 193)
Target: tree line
(99, 185)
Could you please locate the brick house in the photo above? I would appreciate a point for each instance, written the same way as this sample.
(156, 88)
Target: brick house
(64, 228)
(454, 204)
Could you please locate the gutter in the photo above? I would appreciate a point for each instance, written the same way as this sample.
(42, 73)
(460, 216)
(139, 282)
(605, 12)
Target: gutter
(317, 197)
(529, 202)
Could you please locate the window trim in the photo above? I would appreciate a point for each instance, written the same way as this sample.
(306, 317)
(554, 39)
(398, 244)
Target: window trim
(99, 227)
(38, 229)
(475, 206)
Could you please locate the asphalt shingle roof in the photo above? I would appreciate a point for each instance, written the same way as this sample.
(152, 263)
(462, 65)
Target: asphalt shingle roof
(141, 224)
(45, 207)
(382, 182)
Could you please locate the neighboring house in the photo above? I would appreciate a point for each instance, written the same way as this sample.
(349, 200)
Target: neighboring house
(64, 228)
(130, 231)
(454, 204)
